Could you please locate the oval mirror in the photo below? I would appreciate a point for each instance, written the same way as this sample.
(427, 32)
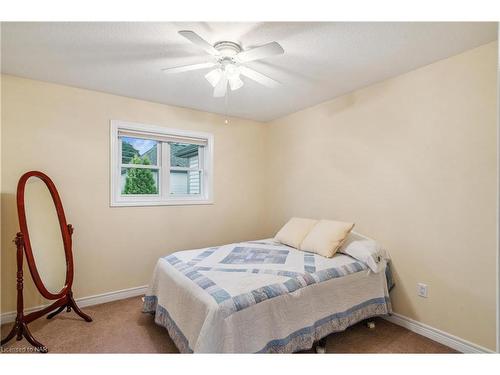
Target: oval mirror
(45, 234)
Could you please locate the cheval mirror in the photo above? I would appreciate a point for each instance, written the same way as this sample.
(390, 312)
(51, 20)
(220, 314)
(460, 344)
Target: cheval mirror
(45, 240)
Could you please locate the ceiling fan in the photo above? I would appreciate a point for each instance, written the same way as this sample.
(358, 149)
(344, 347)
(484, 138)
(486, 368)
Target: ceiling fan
(228, 59)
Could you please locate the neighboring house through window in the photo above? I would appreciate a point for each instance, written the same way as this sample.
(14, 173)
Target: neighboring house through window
(152, 165)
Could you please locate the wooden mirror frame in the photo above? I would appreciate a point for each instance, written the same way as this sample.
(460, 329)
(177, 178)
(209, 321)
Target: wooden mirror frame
(64, 298)
(65, 232)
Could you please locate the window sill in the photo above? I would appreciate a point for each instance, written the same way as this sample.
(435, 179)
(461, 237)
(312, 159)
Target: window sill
(163, 203)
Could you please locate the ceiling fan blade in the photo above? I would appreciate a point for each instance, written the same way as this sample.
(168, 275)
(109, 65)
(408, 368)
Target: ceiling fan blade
(199, 41)
(267, 50)
(258, 77)
(221, 88)
(187, 68)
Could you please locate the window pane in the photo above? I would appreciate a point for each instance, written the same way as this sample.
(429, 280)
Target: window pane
(184, 155)
(139, 181)
(185, 182)
(139, 151)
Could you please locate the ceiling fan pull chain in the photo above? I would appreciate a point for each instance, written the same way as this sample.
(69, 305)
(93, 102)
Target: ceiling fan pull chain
(226, 121)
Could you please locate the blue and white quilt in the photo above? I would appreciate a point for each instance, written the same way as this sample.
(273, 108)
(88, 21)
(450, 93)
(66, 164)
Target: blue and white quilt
(260, 296)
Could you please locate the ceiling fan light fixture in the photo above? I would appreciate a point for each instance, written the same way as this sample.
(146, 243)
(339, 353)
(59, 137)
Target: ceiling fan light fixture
(235, 82)
(214, 76)
(231, 70)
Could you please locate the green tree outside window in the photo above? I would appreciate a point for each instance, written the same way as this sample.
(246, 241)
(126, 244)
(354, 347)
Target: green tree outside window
(140, 180)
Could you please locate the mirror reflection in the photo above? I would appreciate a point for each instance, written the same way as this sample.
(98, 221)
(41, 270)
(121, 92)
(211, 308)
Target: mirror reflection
(45, 235)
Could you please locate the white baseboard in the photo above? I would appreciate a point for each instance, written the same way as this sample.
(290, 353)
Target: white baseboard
(432, 333)
(98, 299)
(437, 335)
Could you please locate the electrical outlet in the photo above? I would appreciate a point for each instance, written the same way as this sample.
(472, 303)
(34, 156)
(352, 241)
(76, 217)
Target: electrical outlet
(422, 290)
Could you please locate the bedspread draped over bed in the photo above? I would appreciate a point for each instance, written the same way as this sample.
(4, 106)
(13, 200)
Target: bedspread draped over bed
(260, 296)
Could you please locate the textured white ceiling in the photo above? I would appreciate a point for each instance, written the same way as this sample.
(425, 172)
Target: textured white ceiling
(321, 60)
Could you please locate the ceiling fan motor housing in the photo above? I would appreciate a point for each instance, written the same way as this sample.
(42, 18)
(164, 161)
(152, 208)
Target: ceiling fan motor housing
(228, 49)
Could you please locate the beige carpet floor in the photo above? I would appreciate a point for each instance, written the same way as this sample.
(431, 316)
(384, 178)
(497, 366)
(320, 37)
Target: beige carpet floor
(120, 327)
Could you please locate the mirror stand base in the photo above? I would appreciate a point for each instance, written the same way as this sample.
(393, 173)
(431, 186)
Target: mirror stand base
(20, 330)
(71, 304)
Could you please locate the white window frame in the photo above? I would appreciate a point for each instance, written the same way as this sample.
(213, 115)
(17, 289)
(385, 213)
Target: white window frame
(163, 198)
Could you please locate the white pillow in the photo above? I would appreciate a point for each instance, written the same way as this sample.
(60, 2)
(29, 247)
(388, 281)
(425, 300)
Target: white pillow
(294, 232)
(366, 251)
(326, 237)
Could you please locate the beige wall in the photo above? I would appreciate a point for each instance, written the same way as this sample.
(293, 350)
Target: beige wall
(64, 132)
(412, 161)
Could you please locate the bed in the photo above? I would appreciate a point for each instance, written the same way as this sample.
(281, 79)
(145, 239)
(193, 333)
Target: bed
(263, 296)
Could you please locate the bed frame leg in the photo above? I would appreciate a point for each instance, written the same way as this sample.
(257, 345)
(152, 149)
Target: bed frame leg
(320, 346)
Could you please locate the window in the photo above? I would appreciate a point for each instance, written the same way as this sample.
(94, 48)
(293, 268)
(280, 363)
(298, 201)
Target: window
(152, 165)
